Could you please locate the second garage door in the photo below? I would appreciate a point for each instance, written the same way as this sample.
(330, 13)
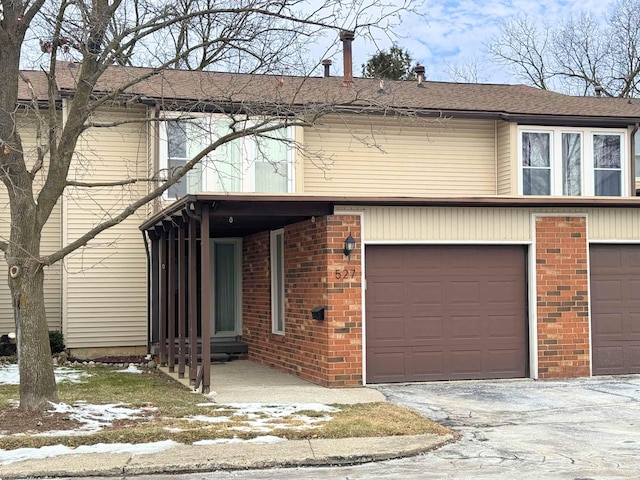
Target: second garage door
(615, 308)
(445, 312)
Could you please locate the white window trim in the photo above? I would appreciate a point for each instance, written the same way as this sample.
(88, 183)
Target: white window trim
(587, 176)
(248, 151)
(277, 298)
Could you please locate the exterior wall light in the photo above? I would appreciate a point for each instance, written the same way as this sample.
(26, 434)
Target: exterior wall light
(349, 245)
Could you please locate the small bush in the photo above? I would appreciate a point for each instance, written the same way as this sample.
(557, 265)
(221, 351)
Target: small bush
(56, 340)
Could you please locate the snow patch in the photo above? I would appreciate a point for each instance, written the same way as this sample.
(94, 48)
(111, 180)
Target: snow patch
(9, 375)
(95, 417)
(130, 369)
(23, 454)
(263, 439)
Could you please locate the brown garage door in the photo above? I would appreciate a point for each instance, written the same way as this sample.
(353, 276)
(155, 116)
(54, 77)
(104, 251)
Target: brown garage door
(445, 312)
(615, 308)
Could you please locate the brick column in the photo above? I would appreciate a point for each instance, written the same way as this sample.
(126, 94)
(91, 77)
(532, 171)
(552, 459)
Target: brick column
(344, 301)
(562, 296)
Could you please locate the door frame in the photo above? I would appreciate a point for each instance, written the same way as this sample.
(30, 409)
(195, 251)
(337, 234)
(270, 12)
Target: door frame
(237, 241)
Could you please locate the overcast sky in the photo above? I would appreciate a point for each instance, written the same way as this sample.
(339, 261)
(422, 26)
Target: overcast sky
(456, 32)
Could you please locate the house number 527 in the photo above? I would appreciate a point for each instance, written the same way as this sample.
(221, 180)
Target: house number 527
(344, 274)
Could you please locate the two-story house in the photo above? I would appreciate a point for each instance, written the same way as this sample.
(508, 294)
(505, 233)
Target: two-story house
(415, 231)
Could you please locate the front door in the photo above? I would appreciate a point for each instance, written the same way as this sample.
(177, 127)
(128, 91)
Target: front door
(227, 287)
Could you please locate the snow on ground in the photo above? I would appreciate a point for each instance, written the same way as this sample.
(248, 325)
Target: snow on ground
(131, 369)
(259, 418)
(9, 375)
(263, 439)
(263, 417)
(22, 454)
(95, 417)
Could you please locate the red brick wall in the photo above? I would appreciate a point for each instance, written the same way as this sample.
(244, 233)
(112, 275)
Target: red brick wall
(344, 288)
(325, 352)
(562, 297)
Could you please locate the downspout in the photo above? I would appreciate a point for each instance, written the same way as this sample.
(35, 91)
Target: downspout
(149, 300)
(633, 158)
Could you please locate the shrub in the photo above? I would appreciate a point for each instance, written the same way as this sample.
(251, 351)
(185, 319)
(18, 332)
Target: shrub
(56, 340)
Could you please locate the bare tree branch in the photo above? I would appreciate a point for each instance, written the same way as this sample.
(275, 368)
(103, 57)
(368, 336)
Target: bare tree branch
(121, 183)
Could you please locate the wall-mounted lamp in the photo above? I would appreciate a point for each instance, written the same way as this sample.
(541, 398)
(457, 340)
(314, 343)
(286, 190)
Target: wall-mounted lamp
(349, 245)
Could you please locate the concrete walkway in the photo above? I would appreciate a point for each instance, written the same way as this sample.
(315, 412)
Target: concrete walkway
(242, 381)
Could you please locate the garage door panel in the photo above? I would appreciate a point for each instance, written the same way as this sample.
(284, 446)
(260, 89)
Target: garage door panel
(607, 290)
(615, 311)
(503, 293)
(463, 293)
(386, 328)
(388, 365)
(464, 328)
(503, 328)
(632, 326)
(633, 357)
(424, 365)
(466, 364)
(424, 293)
(463, 310)
(609, 325)
(501, 361)
(422, 328)
(389, 293)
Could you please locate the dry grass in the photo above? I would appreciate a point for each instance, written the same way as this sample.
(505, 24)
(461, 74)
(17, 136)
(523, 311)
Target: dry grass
(175, 405)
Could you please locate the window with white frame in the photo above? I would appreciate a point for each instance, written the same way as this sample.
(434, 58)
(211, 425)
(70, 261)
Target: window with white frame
(572, 161)
(277, 281)
(261, 163)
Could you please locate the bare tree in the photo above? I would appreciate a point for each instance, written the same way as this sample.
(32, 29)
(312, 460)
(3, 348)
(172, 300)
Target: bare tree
(580, 55)
(243, 35)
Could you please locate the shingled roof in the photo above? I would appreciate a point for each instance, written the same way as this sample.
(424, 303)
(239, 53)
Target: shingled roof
(172, 88)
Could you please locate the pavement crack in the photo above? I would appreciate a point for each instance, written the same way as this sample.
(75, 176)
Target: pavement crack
(313, 453)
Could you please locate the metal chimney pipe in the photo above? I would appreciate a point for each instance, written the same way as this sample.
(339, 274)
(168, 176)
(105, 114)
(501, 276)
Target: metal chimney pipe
(327, 64)
(346, 37)
(419, 70)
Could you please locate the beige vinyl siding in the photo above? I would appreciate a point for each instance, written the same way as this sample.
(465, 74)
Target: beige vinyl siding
(49, 244)
(614, 224)
(507, 145)
(482, 224)
(105, 282)
(370, 155)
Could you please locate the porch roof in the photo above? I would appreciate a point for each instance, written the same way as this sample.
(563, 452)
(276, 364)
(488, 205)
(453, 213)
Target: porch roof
(244, 214)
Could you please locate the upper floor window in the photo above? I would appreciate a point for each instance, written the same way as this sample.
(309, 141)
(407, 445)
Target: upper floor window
(263, 164)
(571, 161)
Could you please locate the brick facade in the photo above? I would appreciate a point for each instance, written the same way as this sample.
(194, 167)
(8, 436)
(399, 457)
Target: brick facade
(317, 273)
(562, 282)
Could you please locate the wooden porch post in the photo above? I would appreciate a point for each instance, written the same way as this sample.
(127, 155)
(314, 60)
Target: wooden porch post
(162, 337)
(171, 293)
(154, 285)
(193, 302)
(205, 297)
(182, 305)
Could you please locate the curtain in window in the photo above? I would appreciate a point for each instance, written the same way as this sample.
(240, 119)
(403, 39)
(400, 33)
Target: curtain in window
(271, 166)
(225, 288)
(228, 164)
(571, 164)
(536, 163)
(184, 142)
(607, 165)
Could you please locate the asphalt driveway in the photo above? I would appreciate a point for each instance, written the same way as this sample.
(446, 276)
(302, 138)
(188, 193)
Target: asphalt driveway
(521, 429)
(577, 429)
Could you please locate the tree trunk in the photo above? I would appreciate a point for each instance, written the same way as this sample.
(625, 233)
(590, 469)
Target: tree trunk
(37, 381)
(26, 282)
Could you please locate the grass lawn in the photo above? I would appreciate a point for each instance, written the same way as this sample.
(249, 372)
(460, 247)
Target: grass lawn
(111, 405)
